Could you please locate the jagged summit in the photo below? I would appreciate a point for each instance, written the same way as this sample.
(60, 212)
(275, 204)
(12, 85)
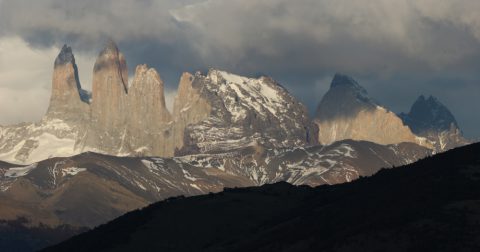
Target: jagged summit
(430, 118)
(347, 83)
(65, 56)
(347, 112)
(344, 98)
(110, 48)
(68, 99)
(340, 79)
(112, 60)
(430, 114)
(239, 111)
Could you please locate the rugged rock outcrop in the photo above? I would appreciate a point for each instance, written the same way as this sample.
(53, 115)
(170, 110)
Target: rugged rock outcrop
(347, 112)
(238, 112)
(68, 100)
(149, 121)
(109, 101)
(431, 119)
(63, 126)
(189, 108)
(214, 112)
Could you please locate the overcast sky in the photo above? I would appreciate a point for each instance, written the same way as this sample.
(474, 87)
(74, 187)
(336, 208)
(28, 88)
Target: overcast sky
(396, 49)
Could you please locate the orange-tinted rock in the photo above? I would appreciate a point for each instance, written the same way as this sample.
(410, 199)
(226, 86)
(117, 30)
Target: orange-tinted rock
(148, 118)
(109, 101)
(347, 112)
(68, 101)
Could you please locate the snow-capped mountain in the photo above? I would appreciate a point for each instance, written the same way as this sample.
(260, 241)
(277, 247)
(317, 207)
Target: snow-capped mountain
(214, 112)
(238, 111)
(90, 189)
(429, 118)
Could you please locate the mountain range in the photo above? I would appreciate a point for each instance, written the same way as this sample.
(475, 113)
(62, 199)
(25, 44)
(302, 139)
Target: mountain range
(431, 205)
(215, 112)
(97, 155)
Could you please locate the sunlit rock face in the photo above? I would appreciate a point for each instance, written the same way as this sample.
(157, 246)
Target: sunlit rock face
(215, 112)
(189, 108)
(148, 118)
(238, 112)
(62, 129)
(68, 100)
(347, 112)
(429, 118)
(109, 101)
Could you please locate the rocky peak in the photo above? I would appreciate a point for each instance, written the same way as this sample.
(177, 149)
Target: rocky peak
(347, 112)
(112, 60)
(147, 92)
(109, 98)
(110, 48)
(344, 98)
(429, 118)
(239, 111)
(65, 56)
(429, 114)
(148, 116)
(68, 100)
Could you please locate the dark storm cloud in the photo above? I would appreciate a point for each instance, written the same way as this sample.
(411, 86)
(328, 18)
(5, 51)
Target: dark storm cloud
(396, 49)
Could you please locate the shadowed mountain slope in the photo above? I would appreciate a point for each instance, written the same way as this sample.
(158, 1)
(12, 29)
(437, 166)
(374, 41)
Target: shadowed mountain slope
(431, 205)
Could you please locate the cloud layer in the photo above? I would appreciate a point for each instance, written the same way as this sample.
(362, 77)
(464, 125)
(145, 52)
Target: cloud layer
(397, 49)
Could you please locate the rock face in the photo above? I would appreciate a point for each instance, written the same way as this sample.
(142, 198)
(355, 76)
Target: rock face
(232, 111)
(431, 119)
(347, 112)
(148, 118)
(127, 120)
(214, 112)
(68, 100)
(64, 125)
(189, 108)
(109, 101)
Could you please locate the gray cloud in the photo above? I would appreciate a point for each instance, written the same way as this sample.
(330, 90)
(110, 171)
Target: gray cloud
(396, 49)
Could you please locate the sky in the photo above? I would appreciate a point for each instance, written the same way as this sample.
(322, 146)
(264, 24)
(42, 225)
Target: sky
(396, 49)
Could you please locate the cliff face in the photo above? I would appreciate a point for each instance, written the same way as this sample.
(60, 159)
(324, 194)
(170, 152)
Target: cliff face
(128, 120)
(189, 108)
(214, 112)
(239, 112)
(68, 101)
(109, 101)
(431, 119)
(347, 112)
(148, 118)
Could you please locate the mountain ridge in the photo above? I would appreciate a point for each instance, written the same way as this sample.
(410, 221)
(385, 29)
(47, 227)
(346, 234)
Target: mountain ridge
(438, 211)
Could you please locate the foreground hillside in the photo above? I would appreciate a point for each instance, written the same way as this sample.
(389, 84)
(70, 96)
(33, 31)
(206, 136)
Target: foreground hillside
(431, 205)
(90, 189)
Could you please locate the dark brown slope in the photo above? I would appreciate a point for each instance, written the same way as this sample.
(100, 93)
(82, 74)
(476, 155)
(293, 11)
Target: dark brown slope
(432, 205)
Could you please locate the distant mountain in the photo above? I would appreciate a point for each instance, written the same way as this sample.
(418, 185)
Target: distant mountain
(89, 189)
(431, 119)
(95, 156)
(347, 112)
(214, 112)
(431, 205)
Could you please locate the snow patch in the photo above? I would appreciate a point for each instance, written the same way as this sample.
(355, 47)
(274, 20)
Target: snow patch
(19, 171)
(72, 171)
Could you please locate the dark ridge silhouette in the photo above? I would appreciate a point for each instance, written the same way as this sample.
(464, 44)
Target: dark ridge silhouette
(431, 205)
(20, 235)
